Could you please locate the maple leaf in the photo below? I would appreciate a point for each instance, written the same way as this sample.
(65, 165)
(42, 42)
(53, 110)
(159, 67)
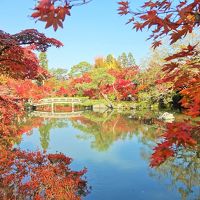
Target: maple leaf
(123, 9)
(156, 44)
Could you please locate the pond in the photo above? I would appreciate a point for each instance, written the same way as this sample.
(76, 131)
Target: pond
(116, 149)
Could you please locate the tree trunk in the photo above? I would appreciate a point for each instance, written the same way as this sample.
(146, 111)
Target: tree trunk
(106, 98)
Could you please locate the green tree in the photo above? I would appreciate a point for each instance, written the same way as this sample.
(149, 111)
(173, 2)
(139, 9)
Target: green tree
(123, 60)
(131, 60)
(45, 129)
(99, 78)
(44, 136)
(60, 73)
(43, 60)
(110, 58)
(79, 69)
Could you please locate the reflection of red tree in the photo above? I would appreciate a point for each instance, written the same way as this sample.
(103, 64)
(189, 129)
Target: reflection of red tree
(177, 135)
(58, 108)
(25, 175)
(38, 176)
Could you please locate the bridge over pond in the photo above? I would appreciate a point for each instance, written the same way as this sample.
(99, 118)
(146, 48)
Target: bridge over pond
(60, 100)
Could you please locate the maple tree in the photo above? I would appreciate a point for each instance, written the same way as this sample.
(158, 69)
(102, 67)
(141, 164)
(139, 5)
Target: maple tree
(17, 59)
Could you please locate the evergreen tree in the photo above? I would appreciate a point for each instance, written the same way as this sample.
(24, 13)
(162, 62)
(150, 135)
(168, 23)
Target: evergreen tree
(131, 60)
(110, 58)
(43, 60)
(123, 60)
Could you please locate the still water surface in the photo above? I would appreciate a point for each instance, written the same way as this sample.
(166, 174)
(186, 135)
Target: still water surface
(115, 148)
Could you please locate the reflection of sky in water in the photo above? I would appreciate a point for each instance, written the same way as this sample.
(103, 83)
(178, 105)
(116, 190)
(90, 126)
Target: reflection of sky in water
(119, 173)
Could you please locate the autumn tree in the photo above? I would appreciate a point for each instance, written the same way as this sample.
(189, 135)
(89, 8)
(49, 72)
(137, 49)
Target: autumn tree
(99, 82)
(99, 62)
(17, 59)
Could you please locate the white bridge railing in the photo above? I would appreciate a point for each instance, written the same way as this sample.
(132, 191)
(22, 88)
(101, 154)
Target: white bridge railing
(62, 100)
(71, 100)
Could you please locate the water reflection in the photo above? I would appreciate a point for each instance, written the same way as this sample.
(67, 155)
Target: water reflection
(107, 128)
(116, 148)
(35, 175)
(184, 174)
(44, 130)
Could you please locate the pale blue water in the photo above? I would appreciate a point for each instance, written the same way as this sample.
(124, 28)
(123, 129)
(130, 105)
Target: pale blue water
(119, 172)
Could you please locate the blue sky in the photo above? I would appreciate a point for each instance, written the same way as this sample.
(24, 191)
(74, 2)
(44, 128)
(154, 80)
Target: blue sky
(92, 30)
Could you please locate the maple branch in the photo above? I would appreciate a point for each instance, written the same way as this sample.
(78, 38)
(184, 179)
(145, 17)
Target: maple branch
(80, 4)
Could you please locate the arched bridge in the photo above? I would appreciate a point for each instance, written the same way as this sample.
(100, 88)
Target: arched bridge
(57, 100)
(62, 100)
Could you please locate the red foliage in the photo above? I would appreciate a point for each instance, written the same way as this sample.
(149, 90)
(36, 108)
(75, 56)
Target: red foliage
(25, 89)
(124, 84)
(17, 58)
(61, 92)
(89, 93)
(178, 135)
(85, 78)
(183, 71)
(35, 175)
(127, 73)
(53, 12)
(125, 87)
(164, 18)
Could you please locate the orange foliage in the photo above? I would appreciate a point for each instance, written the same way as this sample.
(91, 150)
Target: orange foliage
(178, 135)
